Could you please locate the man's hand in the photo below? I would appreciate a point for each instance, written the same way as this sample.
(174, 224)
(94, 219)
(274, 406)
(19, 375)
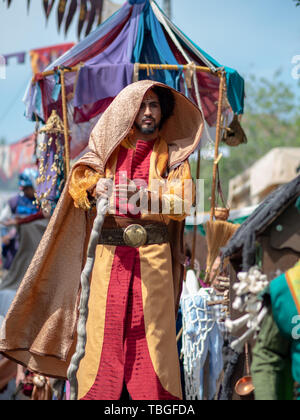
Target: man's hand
(126, 190)
(104, 188)
(20, 375)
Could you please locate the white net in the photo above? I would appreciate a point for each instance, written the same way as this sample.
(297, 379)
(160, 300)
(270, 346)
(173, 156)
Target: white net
(202, 334)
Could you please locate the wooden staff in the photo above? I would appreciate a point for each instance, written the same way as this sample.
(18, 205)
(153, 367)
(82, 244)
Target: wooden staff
(65, 120)
(217, 144)
(102, 205)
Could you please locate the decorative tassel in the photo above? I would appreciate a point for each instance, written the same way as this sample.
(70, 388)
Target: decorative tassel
(50, 151)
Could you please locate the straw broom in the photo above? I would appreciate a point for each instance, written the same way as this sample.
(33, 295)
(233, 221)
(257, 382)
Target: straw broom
(218, 233)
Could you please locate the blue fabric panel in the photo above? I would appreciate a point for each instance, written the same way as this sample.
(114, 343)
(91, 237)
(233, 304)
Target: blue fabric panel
(235, 83)
(152, 47)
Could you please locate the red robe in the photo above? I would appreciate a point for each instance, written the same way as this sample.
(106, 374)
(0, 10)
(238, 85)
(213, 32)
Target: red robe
(125, 356)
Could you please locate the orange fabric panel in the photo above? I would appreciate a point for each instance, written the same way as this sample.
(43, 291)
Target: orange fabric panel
(178, 194)
(95, 325)
(83, 179)
(159, 314)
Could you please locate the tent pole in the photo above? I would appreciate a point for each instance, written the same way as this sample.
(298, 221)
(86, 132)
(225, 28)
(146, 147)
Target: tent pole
(65, 120)
(195, 224)
(141, 67)
(168, 8)
(217, 143)
(52, 72)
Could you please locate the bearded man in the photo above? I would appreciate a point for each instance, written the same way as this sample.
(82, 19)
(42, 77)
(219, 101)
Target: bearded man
(142, 141)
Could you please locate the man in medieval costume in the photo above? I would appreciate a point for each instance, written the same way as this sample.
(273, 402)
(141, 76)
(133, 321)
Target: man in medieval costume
(143, 139)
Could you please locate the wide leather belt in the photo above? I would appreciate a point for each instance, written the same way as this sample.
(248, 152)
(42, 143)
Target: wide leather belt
(135, 235)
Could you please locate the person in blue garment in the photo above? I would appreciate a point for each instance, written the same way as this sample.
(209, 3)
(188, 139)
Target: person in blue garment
(19, 208)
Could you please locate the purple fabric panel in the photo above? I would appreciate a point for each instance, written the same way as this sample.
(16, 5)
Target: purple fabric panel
(92, 38)
(103, 82)
(19, 56)
(30, 101)
(108, 73)
(48, 159)
(13, 203)
(68, 57)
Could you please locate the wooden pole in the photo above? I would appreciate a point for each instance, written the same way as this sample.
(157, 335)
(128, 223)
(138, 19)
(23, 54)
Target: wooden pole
(141, 67)
(175, 67)
(168, 8)
(65, 120)
(51, 72)
(195, 221)
(217, 144)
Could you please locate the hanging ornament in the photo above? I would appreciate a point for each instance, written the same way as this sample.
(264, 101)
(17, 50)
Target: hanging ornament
(50, 154)
(234, 134)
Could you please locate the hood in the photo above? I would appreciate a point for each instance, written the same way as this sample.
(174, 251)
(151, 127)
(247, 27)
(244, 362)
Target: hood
(182, 131)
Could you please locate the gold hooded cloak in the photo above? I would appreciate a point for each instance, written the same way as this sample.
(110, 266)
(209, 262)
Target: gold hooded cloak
(40, 328)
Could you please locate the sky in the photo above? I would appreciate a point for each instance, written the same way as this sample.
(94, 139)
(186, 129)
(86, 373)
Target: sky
(252, 36)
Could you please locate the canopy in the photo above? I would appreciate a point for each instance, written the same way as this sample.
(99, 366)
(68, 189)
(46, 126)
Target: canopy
(105, 62)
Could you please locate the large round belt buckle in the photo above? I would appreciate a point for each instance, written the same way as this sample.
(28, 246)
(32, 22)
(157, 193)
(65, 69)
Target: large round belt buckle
(135, 236)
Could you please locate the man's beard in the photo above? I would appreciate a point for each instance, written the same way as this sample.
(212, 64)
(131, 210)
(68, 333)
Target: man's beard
(147, 130)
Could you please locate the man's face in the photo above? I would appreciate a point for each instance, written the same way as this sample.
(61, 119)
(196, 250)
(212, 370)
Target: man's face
(29, 192)
(149, 116)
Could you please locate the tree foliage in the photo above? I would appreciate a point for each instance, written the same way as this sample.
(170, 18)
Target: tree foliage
(271, 119)
(89, 13)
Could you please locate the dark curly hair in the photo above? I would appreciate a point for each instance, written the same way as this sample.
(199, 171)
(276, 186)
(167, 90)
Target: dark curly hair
(167, 103)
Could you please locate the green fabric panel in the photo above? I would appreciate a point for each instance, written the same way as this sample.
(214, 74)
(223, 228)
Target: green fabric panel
(201, 229)
(239, 221)
(298, 204)
(283, 305)
(287, 319)
(271, 364)
(296, 360)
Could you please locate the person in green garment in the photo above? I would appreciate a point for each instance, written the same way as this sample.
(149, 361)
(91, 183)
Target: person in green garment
(276, 356)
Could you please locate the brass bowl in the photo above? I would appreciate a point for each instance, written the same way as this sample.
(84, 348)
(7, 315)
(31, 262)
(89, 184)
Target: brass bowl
(244, 386)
